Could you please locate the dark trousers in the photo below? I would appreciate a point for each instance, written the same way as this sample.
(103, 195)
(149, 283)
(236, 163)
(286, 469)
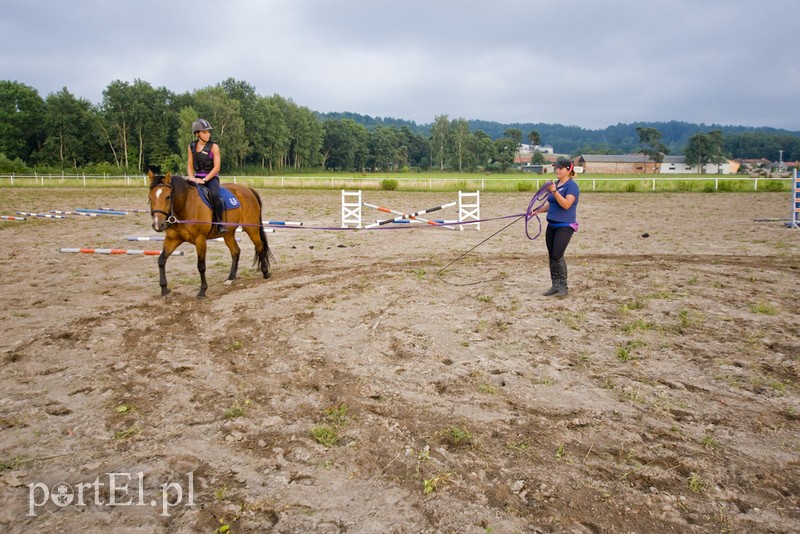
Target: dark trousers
(557, 240)
(213, 187)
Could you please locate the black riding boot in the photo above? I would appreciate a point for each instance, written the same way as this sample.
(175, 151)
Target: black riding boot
(553, 278)
(561, 275)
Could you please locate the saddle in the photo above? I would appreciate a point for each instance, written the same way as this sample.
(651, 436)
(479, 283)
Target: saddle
(229, 201)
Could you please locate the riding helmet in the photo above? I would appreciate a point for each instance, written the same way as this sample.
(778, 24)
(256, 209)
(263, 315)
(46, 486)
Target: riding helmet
(201, 125)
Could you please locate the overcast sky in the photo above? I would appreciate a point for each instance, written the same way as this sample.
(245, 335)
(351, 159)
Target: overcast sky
(590, 63)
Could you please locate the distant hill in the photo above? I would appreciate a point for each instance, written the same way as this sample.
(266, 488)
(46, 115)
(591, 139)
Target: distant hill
(618, 139)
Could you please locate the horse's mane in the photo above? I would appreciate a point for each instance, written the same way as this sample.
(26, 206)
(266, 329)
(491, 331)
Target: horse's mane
(180, 185)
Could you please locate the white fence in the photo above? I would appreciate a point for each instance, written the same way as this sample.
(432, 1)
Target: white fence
(515, 182)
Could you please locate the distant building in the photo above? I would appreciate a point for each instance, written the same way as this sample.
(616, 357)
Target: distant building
(642, 164)
(678, 165)
(528, 150)
(616, 164)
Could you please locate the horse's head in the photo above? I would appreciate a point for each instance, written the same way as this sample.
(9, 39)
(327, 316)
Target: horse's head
(162, 202)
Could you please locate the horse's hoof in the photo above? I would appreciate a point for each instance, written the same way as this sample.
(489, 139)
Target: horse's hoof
(228, 282)
(165, 292)
(267, 275)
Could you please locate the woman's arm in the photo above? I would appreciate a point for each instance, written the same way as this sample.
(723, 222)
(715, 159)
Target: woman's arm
(565, 202)
(217, 162)
(190, 166)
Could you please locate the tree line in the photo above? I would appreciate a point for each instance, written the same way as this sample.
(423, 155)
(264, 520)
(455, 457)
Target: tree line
(137, 127)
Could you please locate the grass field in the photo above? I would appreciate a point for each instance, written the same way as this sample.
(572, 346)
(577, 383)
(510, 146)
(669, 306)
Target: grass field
(439, 182)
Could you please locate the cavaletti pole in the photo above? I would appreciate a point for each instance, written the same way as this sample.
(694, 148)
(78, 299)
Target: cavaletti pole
(117, 251)
(42, 215)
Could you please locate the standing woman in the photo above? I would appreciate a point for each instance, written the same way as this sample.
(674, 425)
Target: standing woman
(562, 222)
(204, 163)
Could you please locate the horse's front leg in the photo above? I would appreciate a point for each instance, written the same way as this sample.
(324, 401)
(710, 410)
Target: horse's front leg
(169, 247)
(236, 251)
(200, 247)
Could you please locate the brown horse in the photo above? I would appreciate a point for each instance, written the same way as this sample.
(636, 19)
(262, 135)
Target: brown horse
(176, 207)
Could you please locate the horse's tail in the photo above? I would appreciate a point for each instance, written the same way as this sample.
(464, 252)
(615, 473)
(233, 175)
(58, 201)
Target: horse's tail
(268, 256)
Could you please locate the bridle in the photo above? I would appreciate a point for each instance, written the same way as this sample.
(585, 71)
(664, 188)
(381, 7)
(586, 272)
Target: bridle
(171, 219)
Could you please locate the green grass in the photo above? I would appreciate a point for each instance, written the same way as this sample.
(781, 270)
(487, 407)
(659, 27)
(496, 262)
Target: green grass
(436, 181)
(763, 308)
(325, 435)
(17, 462)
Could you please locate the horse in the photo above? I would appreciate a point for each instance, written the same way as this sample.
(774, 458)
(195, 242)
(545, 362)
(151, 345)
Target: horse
(177, 209)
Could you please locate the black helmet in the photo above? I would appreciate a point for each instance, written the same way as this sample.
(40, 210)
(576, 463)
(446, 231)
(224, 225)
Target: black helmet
(201, 125)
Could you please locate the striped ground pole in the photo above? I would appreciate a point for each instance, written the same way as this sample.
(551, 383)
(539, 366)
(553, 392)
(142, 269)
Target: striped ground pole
(409, 221)
(161, 238)
(57, 212)
(12, 218)
(267, 230)
(283, 223)
(412, 216)
(43, 215)
(117, 251)
(100, 212)
(125, 211)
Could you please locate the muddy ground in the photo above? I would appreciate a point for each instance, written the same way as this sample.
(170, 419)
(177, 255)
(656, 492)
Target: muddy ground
(357, 390)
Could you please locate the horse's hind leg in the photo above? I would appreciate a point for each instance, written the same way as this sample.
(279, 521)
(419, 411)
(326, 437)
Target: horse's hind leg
(259, 239)
(264, 261)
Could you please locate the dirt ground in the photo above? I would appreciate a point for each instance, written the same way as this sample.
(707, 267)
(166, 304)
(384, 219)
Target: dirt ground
(359, 391)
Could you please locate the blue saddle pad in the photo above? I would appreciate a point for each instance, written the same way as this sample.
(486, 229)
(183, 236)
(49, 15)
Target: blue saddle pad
(229, 201)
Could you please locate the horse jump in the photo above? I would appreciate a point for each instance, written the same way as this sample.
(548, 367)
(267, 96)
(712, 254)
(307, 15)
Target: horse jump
(468, 210)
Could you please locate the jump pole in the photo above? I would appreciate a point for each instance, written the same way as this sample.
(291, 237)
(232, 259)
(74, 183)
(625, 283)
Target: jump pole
(42, 215)
(161, 238)
(101, 212)
(410, 216)
(267, 230)
(12, 218)
(82, 213)
(117, 251)
(126, 211)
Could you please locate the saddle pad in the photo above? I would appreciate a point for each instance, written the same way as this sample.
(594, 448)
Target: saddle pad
(229, 201)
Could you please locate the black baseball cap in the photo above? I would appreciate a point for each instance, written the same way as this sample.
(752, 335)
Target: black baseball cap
(563, 163)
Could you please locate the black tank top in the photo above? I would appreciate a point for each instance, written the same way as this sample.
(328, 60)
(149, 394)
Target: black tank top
(204, 160)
